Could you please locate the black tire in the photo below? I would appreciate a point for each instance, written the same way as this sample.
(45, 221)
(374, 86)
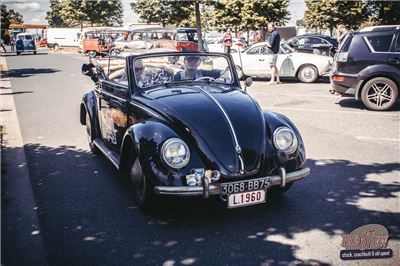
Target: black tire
(308, 74)
(143, 189)
(18, 53)
(90, 135)
(56, 47)
(380, 94)
(240, 73)
(34, 52)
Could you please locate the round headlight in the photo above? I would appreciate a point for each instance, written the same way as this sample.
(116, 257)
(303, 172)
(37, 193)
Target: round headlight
(285, 140)
(175, 153)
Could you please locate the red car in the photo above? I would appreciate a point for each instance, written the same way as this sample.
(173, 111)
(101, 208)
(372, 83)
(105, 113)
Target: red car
(43, 43)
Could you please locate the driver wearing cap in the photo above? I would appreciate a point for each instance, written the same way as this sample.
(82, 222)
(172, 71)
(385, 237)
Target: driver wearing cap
(191, 72)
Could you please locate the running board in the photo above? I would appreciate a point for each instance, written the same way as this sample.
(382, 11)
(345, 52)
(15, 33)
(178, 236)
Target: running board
(111, 155)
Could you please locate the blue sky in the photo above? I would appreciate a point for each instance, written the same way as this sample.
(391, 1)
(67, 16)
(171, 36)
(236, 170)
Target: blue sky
(35, 11)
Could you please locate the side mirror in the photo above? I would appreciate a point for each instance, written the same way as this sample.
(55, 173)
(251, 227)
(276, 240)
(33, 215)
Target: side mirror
(87, 69)
(248, 82)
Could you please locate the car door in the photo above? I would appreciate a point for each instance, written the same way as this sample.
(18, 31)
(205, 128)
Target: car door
(250, 61)
(113, 98)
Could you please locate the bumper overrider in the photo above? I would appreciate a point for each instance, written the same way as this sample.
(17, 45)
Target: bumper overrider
(207, 188)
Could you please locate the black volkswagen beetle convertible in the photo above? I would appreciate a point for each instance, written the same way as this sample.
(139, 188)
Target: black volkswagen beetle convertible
(181, 124)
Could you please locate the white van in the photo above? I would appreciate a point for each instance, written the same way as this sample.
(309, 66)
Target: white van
(63, 37)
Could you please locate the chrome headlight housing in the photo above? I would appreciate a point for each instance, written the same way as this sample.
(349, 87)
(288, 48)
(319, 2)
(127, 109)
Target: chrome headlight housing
(175, 153)
(285, 140)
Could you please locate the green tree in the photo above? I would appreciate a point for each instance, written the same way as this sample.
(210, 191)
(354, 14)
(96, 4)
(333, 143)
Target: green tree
(328, 14)
(54, 14)
(163, 12)
(227, 15)
(385, 12)
(8, 17)
(300, 22)
(91, 12)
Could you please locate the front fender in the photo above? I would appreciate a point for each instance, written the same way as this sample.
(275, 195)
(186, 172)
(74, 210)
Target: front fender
(144, 141)
(298, 158)
(88, 104)
(370, 72)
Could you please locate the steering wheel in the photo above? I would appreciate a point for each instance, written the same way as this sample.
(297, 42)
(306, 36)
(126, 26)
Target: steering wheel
(205, 78)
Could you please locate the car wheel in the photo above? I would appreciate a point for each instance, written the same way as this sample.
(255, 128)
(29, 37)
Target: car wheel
(18, 53)
(142, 187)
(34, 52)
(239, 72)
(89, 131)
(379, 94)
(317, 51)
(308, 74)
(56, 47)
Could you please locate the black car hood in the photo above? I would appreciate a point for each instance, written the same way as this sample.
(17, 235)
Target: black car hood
(199, 116)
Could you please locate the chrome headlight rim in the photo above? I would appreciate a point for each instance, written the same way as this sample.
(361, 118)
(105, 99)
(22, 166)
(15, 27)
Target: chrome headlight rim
(294, 145)
(166, 145)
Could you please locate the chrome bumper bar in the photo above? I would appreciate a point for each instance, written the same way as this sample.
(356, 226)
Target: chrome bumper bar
(213, 189)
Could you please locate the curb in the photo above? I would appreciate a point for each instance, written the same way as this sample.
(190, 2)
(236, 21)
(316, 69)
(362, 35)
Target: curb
(22, 243)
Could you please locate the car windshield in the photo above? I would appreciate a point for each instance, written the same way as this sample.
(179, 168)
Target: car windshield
(182, 68)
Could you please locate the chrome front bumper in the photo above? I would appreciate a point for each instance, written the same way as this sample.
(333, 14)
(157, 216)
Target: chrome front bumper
(213, 189)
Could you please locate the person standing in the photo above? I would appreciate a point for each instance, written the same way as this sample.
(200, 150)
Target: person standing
(273, 43)
(12, 43)
(341, 34)
(227, 42)
(2, 46)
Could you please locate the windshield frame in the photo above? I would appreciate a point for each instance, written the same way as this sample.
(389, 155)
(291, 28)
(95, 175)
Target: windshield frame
(135, 88)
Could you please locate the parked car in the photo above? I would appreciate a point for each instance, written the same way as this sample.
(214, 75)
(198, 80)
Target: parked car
(217, 45)
(25, 43)
(62, 37)
(314, 43)
(367, 67)
(306, 67)
(188, 137)
(43, 42)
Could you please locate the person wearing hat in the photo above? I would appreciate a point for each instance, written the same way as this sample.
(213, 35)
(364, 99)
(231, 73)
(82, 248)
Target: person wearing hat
(190, 72)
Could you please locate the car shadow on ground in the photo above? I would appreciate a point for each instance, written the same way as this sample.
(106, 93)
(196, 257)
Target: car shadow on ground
(87, 215)
(27, 72)
(352, 103)
(8, 54)
(292, 80)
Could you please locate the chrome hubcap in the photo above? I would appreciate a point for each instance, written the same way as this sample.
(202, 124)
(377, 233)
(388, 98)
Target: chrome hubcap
(380, 94)
(308, 73)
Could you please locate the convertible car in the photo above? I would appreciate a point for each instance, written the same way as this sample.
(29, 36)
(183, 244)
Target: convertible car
(181, 124)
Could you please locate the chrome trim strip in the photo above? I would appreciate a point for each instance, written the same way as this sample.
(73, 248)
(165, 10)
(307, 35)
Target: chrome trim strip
(145, 109)
(112, 95)
(238, 149)
(108, 153)
(213, 189)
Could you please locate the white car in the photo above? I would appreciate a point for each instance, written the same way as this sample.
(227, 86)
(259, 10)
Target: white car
(306, 67)
(217, 45)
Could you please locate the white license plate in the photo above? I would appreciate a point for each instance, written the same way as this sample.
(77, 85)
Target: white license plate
(246, 198)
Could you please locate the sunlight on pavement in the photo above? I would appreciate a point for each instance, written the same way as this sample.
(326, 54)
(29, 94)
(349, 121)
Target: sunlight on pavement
(312, 245)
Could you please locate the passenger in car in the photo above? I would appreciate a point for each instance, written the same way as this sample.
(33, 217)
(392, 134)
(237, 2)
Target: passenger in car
(191, 72)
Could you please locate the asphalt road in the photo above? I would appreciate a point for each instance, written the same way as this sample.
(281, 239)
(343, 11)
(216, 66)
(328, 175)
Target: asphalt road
(87, 214)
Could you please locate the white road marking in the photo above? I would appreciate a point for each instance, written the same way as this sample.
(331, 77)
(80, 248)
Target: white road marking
(330, 111)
